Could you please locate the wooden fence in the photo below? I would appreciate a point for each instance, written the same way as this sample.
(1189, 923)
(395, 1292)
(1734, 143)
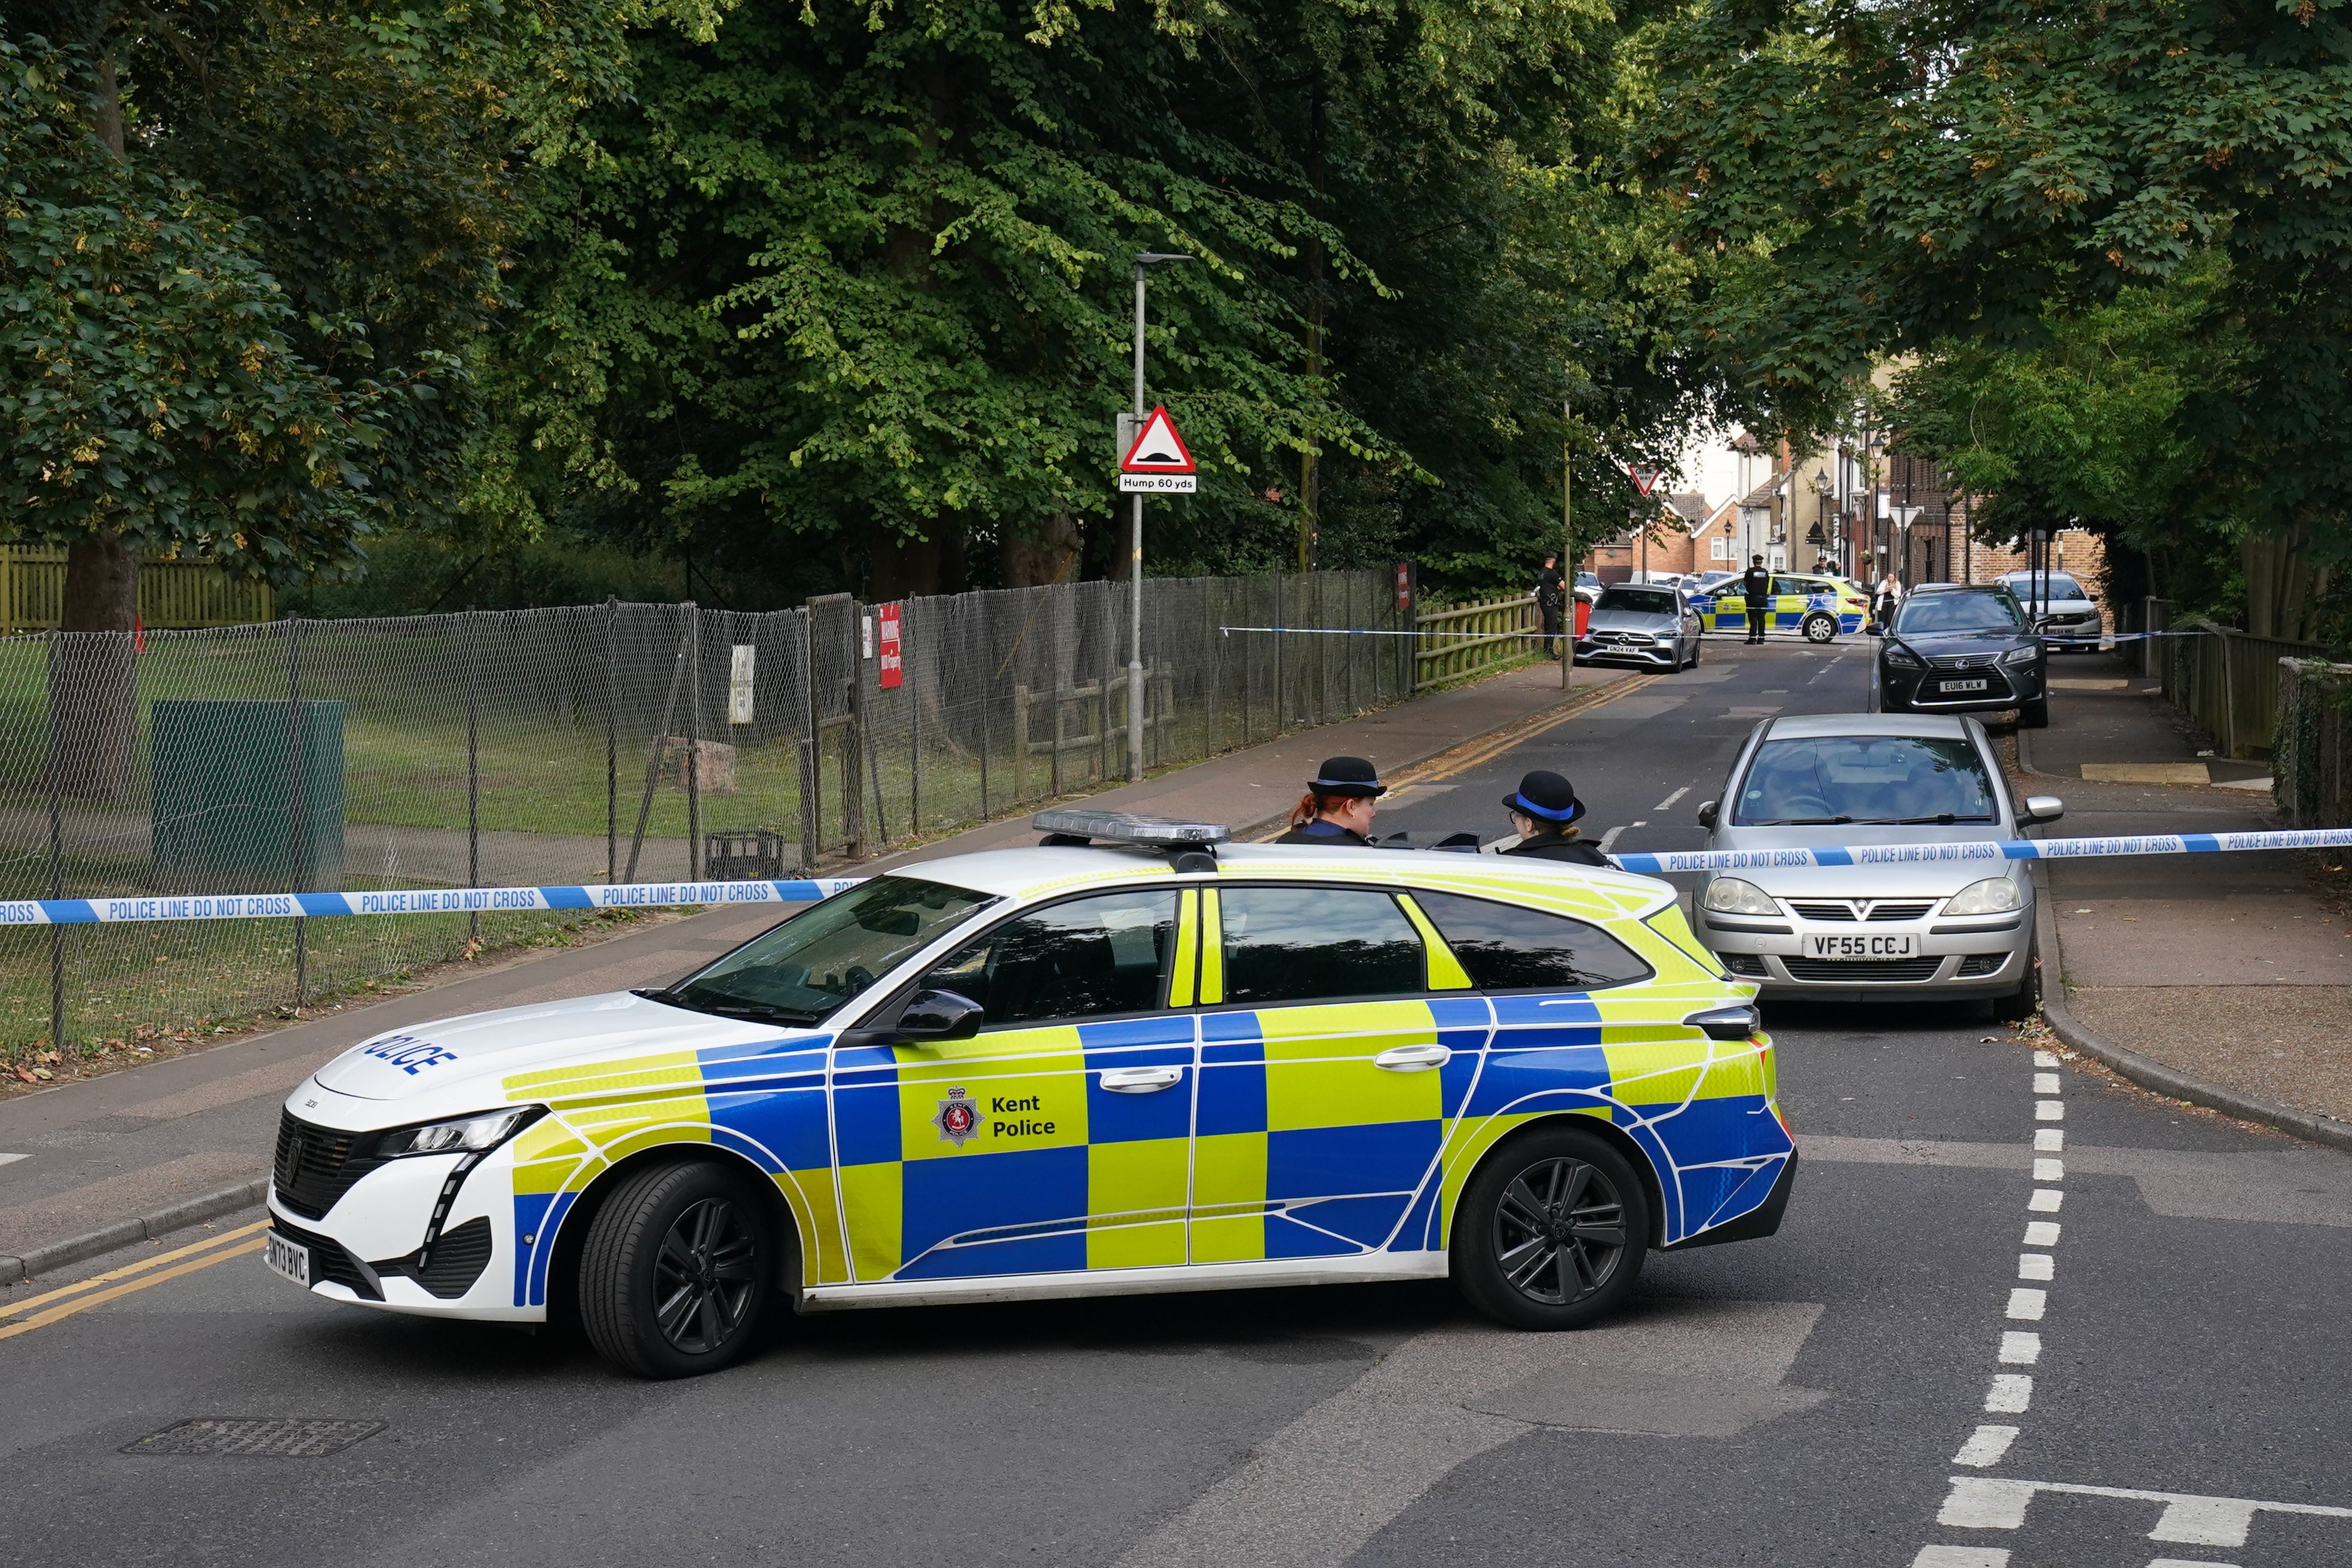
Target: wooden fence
(171, 593)
(1473, 638)
(2225, 678)
(2311, 755)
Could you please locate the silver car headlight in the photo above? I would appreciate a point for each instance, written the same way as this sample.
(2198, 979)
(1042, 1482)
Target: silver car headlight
(2025, 655)
(461, 1135)
(1731, 896)
(1993, 896)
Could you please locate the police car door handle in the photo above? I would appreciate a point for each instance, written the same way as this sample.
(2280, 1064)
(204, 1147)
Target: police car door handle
(1412, 1059)
(1140, 1081)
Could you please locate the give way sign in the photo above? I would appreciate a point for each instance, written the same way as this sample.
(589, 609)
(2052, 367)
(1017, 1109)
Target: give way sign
(1159, 463)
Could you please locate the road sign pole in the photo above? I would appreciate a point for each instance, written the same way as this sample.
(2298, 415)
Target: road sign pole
(1135, 571)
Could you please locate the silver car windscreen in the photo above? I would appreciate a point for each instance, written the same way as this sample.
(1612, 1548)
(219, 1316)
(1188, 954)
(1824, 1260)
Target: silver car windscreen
(1865, 778)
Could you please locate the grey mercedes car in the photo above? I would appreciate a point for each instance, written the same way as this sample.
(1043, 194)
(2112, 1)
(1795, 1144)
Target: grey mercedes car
(1649, 625)
(2063, 609)
(1944, 930)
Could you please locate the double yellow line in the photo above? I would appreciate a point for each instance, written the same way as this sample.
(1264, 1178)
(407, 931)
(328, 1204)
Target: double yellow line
(100, 1289)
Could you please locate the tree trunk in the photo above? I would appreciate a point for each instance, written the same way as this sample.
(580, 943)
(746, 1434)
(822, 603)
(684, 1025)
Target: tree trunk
(1051, 557)
(2282, 587)
(93, 676)
(902, 568)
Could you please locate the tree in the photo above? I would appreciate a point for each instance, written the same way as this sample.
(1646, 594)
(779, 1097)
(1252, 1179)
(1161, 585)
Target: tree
(1923, 172)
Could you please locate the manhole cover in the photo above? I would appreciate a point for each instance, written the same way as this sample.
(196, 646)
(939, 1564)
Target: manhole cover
(284, 1437)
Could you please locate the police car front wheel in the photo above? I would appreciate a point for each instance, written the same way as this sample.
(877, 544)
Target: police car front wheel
(1552, 1231)
(678, 1270)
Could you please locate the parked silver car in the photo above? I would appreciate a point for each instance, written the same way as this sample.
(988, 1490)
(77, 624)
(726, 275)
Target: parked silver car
(2063, 609)
(1931, 928)
(1651, 626)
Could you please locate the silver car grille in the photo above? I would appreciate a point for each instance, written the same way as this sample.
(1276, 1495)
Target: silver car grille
(1862, 909)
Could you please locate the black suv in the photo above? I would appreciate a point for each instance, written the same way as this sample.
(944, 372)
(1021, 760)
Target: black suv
(1963, 650)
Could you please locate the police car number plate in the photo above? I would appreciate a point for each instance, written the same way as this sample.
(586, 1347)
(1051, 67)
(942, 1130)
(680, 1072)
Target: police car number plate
(1950, 686)
(1865, 947)
(285, 1258)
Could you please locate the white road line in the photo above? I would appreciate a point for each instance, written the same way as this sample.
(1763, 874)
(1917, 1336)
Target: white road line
(2010, 1394)
(1644, 822)
(2049, 1111)
(2027, 1305)
(1962, 1557)
(2188, 1562)
(2045, 1200)
(1610, 837)
(11, 1159)
(2045, 1058)
(2020, 1349)
(2045, 1083)
(2042, 1233)
(1985, 1447)
(2049, 1139)
(1671, 798)
(1981, 1502)
(2035, 1266)
(2049, 1170)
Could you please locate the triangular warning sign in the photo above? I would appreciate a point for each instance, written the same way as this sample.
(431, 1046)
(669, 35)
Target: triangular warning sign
(1158, 449)
(1644, 475)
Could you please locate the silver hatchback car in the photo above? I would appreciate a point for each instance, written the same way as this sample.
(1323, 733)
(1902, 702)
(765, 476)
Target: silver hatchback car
(1931, 930)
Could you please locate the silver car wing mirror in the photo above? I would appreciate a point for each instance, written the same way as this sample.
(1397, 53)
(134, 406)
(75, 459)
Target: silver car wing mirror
(2042, 808)
(1707, 815)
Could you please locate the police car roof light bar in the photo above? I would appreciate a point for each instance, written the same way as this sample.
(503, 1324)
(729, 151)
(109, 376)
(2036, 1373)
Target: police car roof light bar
(1127, 827)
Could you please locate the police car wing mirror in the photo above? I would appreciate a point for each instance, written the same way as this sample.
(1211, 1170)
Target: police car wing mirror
(1707, 815)
(940, 1016)
(1726, 1022)
(2042, 808)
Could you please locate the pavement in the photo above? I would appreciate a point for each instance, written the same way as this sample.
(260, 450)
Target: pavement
(180, 1139)
(2232, 969)
(2021, 1315)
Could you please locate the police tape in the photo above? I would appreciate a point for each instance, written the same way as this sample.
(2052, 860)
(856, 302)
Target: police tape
(413, 902)
(1987, 851)
(693, 895)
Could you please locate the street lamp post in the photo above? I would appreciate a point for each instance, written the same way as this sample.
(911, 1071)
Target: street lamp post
(1144, 261)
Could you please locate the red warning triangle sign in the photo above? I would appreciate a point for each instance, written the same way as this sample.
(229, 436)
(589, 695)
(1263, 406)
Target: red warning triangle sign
(1157, 449)
(1644, 475)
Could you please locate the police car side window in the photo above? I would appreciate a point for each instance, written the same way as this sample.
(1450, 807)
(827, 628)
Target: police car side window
(1082, 959)
(1505, 948)
(1314, 944)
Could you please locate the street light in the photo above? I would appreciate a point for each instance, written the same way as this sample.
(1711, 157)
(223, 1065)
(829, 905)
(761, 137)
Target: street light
(1144, 261)
(1821, 482)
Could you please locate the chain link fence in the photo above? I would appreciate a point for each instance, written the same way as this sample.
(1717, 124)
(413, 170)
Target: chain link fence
(614, 742)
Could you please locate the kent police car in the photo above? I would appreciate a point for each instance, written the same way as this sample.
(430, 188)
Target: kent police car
(1134, 1058)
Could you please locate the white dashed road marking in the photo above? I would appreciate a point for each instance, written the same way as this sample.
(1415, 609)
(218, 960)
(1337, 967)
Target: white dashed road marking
(2042, 1233)
(2020, 1349)
(1978, 1502)
(2049, 1111)
(2036, 1266)
(2011, 1393)
(1985, 1446)
(10, 1159)
(1962, 1557)
(2027, 1305)
(1671, 798)
(2046, 1200)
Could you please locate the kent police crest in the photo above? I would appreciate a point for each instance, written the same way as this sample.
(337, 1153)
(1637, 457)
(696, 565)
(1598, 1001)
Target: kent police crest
(959, 1118)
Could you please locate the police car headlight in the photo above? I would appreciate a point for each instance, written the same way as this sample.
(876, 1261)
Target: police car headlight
(2025, 655)
(1993, 896)
(1731, 896)
(464, 1135)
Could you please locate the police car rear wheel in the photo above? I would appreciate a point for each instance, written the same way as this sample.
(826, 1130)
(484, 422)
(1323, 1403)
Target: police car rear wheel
(676, 1270)
(1552, 1231)
(1820, 627)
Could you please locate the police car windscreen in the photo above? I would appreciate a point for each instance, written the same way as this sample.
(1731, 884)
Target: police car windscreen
(1957, 613)
(1640, 601)
(1864, 778)
(813, 963)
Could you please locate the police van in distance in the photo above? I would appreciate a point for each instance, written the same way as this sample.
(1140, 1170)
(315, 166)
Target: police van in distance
(1134, 1058)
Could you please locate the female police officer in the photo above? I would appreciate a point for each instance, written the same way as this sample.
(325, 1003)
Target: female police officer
(1337, 808)
(1541, 809)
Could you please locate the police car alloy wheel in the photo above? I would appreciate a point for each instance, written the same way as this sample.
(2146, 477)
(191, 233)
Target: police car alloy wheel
(678, 1269)
(1552, 1231)
(1820, 627)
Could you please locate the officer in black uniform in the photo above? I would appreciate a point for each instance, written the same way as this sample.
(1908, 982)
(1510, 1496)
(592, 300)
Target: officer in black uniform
(1755, 582)
(1337, 808)
(1551, 597)
(1541, 809)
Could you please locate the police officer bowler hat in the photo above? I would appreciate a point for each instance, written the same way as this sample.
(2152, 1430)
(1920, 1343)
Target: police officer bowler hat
(1349, 776)
(1546, 797)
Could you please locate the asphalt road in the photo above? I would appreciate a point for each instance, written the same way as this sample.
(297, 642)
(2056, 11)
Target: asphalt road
(2171, 1355)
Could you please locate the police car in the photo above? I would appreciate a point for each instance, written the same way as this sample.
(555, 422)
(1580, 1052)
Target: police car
(1134, 1058)
(1819, 609)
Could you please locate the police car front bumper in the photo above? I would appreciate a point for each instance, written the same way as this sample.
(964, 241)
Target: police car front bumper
(377, 1242)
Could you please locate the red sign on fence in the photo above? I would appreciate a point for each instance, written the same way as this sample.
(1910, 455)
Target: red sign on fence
(893, 669)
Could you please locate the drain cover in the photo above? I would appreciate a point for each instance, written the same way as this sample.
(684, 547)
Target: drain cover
(283, 1437)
